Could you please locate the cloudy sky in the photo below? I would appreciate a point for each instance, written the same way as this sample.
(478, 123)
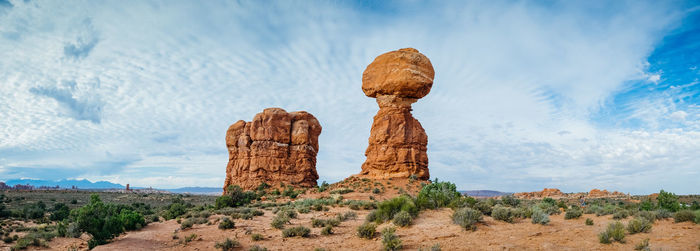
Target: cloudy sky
(527, 94)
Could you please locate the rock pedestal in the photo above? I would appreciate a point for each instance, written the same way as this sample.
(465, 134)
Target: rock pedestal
(397, 143)
(276, 148)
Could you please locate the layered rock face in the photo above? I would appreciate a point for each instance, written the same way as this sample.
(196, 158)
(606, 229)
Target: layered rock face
(397, 142)
(547, 192)
(276, 147)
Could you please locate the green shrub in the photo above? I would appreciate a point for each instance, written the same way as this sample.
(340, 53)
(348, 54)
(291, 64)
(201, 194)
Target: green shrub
(257, 248)
(227, 245)
(437, 195)
(547, 208)
(614, 231)
(589, 221)
(643, 245)
(7, 239)
(257, 237)
(573, 213)
(328, 230)
(663, 213)
(324, 222)
(376, 191)
(461, 202)
(549, 201)
(279, 221)
(649, 215)
(105, 221)
(638, 225)
(620, 214)
(174, 210)
(188, 223)
(323, 187)
(503, 213)
(342, 191)
(668, 201)
(402, 219)
(235, 197)
(388, 208)
(510, 200)
(684, 215)
(466, 218)
(390, 240)
(697, 216)
(367, 230)
(540, 217)
(226, 223)
(60, 212)
(349, 216)
(300, 231)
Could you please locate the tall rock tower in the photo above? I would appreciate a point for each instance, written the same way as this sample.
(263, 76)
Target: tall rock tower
(397, 142)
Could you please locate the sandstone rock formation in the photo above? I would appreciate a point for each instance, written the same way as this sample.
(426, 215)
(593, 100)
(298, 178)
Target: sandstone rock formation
(547, 192)
(276, 148)
(595, 193)
(397, 141)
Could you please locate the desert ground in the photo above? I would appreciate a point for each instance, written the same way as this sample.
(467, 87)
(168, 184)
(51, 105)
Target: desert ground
(431, 228)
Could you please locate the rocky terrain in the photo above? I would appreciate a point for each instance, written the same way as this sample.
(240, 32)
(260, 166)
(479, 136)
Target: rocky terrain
(557, 194)
(276, 148)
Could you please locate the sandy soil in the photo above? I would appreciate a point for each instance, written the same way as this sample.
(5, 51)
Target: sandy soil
(431, 227)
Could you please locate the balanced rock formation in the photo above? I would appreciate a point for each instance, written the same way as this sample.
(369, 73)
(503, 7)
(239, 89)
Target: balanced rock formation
(276, 148)
(397, 142)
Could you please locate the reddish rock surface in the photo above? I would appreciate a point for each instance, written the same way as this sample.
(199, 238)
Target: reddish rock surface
(397, 143)
(276, 148)
(595, 193)
(547, 192)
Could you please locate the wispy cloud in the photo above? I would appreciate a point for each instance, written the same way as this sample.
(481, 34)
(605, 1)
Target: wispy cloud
(526, 94)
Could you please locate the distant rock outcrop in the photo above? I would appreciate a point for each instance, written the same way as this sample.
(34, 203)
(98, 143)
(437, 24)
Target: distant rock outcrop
(397, 142)
(547, 192)
(595, 193)
(276, 148)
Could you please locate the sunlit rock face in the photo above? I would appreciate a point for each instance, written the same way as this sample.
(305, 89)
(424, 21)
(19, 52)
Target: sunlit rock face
(397, 142)
(276, 147)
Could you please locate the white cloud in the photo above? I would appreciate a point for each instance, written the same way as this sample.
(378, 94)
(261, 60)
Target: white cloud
(173, 76)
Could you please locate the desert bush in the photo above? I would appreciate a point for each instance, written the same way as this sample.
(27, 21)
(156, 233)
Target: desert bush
(257, 248)
(649, 215)
(663, 213)
(279, 221)
(227, 245)
(638, 225)
(620, 214)
(367, 230)
(324, 222)
(614, 231)
(510, 200)
(466, 218)
(503, 213)
(226, 223)
(437, 194)
(287, 212)
(539, 217)
(387, 209)
(483, 207)
(348, 216)
(643, 245)
(607, 209)
(104, 221)
(668, 201)
(60, 211)
(327, 230)
(547, 208)
(323, 187)
(342, 191)
(188, 223)
(304, 210)
(235, 197)
(684, 215)
(257, 237)
(390, 240)
(300, 231)
(573, 213)
(697, 216)
(376, 191)
(462, 201)
(589, 221)
(591, 209)
(402, 219)
(7, 239)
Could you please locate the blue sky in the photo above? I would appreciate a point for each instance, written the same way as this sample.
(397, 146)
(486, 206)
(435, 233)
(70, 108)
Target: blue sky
(528, 94)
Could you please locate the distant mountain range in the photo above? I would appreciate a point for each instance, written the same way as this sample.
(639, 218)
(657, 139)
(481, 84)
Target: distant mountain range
(86, 184)
(484, 193)
(81, 184)
(197, 190)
